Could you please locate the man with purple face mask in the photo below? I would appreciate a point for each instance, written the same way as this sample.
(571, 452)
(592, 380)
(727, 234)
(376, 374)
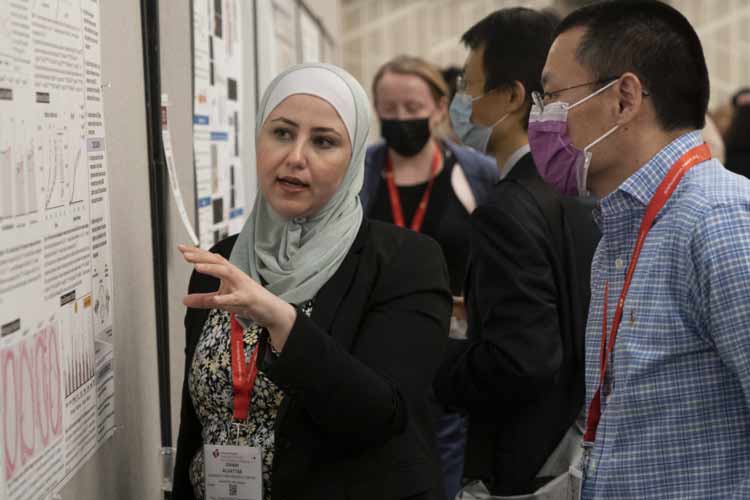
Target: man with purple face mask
(668, 338)
(519, 374)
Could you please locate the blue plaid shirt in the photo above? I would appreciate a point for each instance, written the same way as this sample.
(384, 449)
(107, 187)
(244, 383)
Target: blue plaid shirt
(676, 419)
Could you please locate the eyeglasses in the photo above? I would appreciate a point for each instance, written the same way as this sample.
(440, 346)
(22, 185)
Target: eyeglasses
(461, 88)
(540, 99)
(461, 84)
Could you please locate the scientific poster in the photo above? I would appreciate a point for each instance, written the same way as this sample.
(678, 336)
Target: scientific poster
(218, 121)
(56, 356)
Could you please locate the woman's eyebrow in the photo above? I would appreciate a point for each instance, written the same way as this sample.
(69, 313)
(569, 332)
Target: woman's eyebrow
(287, 121)
(292, 123)
(326, 130)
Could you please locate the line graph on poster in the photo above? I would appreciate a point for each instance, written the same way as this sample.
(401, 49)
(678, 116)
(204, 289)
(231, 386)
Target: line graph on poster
(62, 151)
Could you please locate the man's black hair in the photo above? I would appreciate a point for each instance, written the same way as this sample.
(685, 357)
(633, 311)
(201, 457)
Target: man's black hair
(737, 95)
(516, 42)
(655, 42)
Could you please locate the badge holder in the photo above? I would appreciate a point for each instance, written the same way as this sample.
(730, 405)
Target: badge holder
(234, 471)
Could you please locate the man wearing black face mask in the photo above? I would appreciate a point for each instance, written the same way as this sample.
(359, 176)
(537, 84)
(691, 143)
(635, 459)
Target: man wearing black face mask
(416, 180)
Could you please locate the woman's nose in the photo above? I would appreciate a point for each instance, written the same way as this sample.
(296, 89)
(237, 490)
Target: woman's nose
(296, 156)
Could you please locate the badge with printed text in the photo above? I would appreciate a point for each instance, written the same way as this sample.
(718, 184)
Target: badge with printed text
(233, 472)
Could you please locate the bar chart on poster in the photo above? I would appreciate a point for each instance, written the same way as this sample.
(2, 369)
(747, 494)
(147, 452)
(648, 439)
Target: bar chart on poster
(56, 375)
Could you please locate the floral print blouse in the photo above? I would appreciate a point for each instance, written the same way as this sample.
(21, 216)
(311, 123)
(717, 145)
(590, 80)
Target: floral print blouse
(210, 386)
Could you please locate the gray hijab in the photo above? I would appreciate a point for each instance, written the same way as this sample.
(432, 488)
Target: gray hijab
(295, 258)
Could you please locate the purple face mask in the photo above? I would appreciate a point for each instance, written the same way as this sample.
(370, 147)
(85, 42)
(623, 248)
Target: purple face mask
(559, 162)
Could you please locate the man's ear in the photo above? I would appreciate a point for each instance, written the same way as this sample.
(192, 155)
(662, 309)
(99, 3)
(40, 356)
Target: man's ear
(517, 97)
(630, 94)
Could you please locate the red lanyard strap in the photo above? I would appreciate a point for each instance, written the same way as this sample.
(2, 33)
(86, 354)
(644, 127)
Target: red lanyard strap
(243, 373)
(398, 214)
(665, 190)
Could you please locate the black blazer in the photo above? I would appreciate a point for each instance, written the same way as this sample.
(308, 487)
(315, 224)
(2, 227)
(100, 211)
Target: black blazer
(355, 420)
(520, 373)
(738, 161)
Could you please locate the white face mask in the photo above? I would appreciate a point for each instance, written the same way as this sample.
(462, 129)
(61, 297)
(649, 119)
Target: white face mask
(583, 172)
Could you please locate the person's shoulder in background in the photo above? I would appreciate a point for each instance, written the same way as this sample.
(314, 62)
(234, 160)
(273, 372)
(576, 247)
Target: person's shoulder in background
(476, 165)
(406, 257)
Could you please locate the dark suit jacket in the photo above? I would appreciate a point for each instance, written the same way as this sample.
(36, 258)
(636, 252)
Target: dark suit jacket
(738, 161)
(355, 420)
(520, 373)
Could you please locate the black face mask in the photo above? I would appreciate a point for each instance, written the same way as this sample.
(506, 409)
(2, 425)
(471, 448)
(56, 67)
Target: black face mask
(406, 137)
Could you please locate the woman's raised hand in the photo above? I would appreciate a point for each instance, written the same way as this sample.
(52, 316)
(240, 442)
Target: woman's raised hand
(238, 293)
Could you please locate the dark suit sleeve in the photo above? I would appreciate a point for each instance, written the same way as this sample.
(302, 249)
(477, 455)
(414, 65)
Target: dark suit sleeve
(515, 347)
(361, 397)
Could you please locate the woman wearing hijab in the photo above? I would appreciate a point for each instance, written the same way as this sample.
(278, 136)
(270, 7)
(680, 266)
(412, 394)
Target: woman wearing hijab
(345, 319)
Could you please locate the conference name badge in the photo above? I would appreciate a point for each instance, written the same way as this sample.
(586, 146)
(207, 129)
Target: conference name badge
(233, 472)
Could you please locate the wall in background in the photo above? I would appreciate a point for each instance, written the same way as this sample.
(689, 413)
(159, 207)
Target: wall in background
(374, 31)
(724, 29)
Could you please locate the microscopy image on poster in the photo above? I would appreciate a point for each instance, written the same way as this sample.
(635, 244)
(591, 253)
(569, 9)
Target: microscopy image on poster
(218, 121)
(56, 370)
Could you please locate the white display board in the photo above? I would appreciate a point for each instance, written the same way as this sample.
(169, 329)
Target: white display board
(56, 356)
(218, 121)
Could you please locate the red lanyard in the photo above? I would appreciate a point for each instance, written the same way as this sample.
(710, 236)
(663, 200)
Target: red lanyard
(398, 214)
(696, 155)
(243, 373)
